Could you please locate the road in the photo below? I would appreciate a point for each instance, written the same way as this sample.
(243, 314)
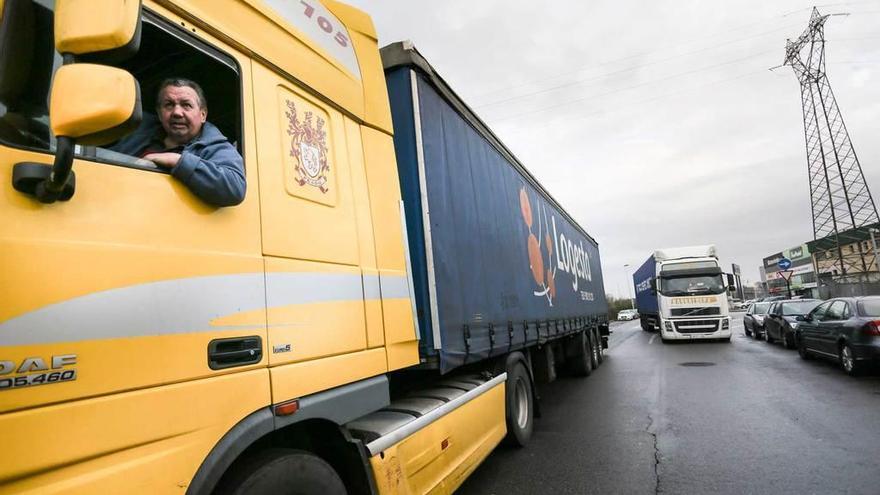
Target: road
(749, 417)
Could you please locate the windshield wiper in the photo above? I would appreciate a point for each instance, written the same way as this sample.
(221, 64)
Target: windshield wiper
(674, 293)
(698, 290)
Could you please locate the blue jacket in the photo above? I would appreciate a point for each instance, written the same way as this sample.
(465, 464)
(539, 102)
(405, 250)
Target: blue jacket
(209, 165)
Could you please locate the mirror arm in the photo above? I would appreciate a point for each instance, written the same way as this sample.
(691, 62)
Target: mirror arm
(55, 186)
(59, 185)
(55, 183)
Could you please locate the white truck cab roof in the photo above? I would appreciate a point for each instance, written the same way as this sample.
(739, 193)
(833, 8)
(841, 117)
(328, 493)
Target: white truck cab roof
(707, 251)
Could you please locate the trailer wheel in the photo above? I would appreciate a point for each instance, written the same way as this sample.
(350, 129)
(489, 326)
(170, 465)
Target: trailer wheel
(595, 350)
(580, 355)
(597, 340)
(519, 405)
(288, 471)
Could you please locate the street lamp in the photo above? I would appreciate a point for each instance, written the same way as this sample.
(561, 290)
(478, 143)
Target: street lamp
(632, 304)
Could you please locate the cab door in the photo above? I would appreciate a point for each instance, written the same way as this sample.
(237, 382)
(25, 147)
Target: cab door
(312, 241)
(127, 289)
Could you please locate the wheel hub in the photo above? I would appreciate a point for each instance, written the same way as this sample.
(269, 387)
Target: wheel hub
(521, 399)
(847, 358)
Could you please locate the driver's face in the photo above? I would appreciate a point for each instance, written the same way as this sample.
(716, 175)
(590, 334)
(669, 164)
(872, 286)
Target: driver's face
(181, 113)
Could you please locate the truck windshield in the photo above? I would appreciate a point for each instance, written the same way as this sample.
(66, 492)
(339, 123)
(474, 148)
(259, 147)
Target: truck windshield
(700, 284)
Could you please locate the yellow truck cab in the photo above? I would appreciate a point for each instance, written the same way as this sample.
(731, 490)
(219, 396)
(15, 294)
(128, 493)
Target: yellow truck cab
(153, 343)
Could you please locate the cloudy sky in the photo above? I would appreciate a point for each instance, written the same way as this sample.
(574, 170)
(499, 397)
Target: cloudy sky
(655, 124)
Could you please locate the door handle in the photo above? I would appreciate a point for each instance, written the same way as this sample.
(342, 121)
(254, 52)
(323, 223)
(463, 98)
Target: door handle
(236, 351)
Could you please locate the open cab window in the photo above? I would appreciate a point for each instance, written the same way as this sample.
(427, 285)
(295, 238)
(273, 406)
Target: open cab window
(28, 62)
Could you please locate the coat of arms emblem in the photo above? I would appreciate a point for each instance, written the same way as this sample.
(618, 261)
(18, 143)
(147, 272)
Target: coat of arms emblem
(308, 147)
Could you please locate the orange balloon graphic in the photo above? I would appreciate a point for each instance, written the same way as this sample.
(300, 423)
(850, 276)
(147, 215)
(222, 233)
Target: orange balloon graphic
(525, 207)
(535, 260)
(552, 283)
(549, 242)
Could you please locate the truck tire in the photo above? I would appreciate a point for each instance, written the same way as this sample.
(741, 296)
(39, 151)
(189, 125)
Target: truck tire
(288, 471)
(580, 355)
(597, 340)
(518, 405)
(595, 348)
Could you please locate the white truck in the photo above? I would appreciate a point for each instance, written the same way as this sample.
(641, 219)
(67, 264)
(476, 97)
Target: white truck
(681, 292)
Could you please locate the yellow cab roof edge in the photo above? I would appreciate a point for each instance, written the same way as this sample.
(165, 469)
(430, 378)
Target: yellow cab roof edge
(341, 10)
(353, 18)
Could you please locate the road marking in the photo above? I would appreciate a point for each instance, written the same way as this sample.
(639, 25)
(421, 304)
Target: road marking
(653, 337)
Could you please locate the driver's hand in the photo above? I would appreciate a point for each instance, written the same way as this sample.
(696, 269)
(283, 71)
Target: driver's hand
(165, 160)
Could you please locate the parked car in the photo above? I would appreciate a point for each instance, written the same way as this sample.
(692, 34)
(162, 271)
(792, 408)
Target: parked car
(781, 320)
(845, 329)
(627, 314)
(753, 320)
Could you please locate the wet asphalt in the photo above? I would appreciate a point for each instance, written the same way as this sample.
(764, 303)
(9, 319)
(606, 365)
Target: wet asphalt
(751, 418)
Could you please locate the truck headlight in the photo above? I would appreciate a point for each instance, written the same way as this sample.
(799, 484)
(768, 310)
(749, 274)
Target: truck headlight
(725, 324)
(668, 325)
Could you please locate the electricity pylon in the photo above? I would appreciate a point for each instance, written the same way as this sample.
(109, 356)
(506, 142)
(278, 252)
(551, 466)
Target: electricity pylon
(841, 201)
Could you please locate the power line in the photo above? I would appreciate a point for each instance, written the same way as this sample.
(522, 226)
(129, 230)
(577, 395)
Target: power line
(673, 94)
(638, 55)
(526, 84)
(628, 69)
(647, 83)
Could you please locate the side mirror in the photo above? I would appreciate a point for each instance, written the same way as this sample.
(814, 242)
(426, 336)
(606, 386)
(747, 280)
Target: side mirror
(112, 36)
(91, 105)
(94, 104)
(653, 286)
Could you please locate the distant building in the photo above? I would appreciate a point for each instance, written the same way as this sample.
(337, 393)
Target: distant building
(853, 270)
(803, 279)
(856, 258)
(760, 289)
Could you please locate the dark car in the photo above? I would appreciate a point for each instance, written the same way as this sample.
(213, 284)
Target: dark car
(753, 320)
(781, 320)
(845, 329)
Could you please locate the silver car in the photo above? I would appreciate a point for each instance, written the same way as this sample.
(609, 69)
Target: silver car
(627, 314)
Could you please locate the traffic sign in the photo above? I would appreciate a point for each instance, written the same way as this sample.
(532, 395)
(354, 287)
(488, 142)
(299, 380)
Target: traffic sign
(784, 264)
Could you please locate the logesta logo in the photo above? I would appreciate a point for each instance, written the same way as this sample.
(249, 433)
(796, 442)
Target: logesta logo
(570, 258)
